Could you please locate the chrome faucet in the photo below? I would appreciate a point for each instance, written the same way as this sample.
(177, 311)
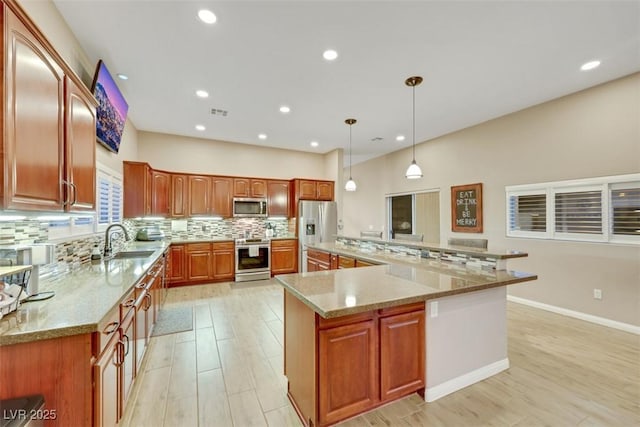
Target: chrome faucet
(107, 238)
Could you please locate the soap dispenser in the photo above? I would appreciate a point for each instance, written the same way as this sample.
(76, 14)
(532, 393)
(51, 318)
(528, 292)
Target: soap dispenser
(95, 253)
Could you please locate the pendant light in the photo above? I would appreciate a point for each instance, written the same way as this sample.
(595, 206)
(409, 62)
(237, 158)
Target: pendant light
(414, 171)
(351, 184)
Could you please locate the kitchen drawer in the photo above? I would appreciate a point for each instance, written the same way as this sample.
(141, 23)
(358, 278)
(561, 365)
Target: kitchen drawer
(344, 320)
(319, 256)
(223, 246)
(286, 243)
(198, 247)
(417, 306)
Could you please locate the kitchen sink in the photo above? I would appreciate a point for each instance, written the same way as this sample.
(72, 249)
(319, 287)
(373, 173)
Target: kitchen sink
(133, 254)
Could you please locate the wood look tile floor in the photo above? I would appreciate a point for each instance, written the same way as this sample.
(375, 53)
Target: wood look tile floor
(228, 371)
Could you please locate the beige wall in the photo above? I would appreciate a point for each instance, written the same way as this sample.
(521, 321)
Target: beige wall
(184, 154)
(588, 134)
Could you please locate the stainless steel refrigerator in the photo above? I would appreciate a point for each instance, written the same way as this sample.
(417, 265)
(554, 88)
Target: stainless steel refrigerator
(317, 223)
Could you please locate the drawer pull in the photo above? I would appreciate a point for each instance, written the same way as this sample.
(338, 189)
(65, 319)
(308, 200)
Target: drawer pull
(111, 328)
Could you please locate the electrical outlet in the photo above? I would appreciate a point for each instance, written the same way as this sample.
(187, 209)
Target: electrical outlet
(597, 293)
(434, 309)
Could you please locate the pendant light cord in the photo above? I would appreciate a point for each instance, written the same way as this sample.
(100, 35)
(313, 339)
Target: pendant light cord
(414, 122)
(350, 151)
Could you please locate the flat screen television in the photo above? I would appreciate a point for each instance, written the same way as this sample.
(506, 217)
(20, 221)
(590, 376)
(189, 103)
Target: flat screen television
(112, 108)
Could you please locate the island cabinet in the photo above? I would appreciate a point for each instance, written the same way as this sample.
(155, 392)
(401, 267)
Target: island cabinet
(249, 187)
(284, 256)
(340, 367)
(48, 144)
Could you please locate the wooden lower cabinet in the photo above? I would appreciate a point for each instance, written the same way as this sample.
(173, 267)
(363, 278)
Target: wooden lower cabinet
(284, 256)
(177, 269)
(348, 371)
(223, 261)
(106, 373)
(318, 260)
(202, 262)
(338, 368)
(346, 262)
(198, 261)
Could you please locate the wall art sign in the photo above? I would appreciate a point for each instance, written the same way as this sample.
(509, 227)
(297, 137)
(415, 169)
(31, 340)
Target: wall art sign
(466, 208)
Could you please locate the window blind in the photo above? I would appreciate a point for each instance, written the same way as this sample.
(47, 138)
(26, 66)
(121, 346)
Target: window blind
(528, 212)
(578, 212)
(625, 206)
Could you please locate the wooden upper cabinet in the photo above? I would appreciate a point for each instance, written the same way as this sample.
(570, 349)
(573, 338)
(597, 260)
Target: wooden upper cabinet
(278, 198)
(160, 190)
(48, 146)
(306, 189)
(80, 141)
(137, 189)
(222, 193)
(324, 190)
(199, 195)
(179, 197)
(33, 154)
(249, 187)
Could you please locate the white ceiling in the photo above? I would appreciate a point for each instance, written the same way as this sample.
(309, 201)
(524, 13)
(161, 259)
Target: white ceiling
(479, 60)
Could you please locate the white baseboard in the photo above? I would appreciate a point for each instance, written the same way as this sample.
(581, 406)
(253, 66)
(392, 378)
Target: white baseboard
(434, 393)
(578, 315)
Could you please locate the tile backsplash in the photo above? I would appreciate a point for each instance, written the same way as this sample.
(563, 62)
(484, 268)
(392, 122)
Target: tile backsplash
(73, 253)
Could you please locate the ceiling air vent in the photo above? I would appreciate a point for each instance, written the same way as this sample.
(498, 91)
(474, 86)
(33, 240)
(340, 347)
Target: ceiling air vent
(377, 139)
(219, 112)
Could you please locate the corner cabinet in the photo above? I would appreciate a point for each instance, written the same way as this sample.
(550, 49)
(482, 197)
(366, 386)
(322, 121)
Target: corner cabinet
(49, 137)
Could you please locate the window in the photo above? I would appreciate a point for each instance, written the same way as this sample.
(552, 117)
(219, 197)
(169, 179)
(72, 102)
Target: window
(603, 209)
(625, 210)
(414, 213)
(528, 213)
(109, 197)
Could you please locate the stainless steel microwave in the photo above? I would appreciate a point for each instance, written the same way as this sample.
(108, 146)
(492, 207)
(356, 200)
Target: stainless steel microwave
(243, 207)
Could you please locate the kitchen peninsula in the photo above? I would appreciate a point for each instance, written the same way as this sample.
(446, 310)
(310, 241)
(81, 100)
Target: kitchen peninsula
(357, 338)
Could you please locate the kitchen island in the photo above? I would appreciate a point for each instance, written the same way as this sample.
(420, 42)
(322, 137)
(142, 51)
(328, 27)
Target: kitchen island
(358, 338)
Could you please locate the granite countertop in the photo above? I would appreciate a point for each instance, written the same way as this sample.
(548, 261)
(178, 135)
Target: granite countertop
(495, 253)
(83, 298)
(401, 280)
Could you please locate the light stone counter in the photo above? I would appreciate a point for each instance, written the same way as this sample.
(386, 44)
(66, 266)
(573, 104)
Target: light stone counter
(402, 280)
(82, 298)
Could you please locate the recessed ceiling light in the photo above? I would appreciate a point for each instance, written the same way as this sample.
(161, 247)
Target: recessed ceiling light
(314, 143)
(202, 93)
(284, 109)
(590, 65)
(262, 136)
(200, 127)
(330, 54)
(400, 138)
(122, 76)
(207, 16)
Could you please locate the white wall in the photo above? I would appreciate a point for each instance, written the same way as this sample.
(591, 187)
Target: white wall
(592, 133)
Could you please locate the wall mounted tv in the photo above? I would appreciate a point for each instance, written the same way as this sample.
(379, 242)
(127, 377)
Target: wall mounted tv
(112, 108)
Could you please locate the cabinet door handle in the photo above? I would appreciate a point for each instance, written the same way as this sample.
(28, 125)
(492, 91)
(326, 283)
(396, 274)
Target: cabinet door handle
(75, 193)
(111, 328)
(129, 303)
(66, 199)
(148, 297)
